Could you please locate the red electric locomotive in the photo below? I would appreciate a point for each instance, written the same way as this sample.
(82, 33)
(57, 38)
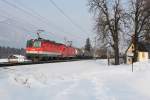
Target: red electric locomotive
(41, 49)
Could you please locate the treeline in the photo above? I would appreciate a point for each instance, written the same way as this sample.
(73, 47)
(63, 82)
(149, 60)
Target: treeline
(118, 22)
(6, 51)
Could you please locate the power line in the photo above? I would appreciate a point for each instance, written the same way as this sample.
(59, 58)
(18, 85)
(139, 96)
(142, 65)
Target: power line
(12, 20)
(36, 15)
(47, 20)
(65, 15)
(14, 6)
(22, 26)
(17, 21)
(42, 18)
(24, 11)
(19, 26)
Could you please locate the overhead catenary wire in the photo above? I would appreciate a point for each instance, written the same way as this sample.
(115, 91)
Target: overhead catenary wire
(13, 20)
(14, 30)
(24, 27)
(65, 15)
(47, 21)
(24, 11)
(17, 20)
(18, 24)
(36, 15)
(31, 15)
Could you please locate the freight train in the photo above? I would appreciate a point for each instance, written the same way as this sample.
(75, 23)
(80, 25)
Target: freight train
(43, 50)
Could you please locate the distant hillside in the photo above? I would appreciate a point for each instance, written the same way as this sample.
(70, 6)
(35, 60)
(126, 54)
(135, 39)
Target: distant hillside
(6, 51)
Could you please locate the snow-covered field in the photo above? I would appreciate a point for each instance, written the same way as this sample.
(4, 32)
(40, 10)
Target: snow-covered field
(79, 80)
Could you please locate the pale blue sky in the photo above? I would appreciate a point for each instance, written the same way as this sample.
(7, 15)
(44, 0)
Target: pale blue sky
(19, 19)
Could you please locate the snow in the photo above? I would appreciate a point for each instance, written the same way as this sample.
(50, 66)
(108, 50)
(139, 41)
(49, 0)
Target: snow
(3, 60)
(18, 56)
(78, 80)
(21, 59)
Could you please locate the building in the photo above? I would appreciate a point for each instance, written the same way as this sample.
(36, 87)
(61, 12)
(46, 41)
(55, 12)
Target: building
(143, 52)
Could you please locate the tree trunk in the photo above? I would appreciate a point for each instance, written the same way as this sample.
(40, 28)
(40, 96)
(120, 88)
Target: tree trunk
(135, 42)
(116, 55)
(116, 51)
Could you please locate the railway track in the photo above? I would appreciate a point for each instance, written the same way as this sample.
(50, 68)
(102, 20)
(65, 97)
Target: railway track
(41, 62)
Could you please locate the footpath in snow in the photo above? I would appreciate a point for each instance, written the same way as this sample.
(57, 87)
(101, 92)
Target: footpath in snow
(79, 80)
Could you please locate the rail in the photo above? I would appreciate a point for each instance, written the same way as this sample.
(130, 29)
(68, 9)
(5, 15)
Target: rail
(7, 64)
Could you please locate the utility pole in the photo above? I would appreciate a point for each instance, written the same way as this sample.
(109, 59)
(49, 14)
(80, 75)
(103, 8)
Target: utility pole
(95, 40)
(108, 59)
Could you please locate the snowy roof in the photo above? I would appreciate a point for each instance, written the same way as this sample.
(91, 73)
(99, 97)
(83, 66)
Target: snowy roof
(18, 56)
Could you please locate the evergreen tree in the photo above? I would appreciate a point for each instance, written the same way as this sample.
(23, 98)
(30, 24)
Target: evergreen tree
(88, 45)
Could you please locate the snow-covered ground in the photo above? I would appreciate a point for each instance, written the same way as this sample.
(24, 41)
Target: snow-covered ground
(79, 80)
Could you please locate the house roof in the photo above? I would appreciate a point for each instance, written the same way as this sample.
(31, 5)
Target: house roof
(128, 47)
(144, 46)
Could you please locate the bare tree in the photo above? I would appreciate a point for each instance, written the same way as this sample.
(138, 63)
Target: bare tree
(140, 16)
(147, 26)
(109, 14)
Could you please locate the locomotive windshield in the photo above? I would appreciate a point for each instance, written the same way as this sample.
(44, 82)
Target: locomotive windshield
(29, 43)
(37, 44)
(34, 43)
